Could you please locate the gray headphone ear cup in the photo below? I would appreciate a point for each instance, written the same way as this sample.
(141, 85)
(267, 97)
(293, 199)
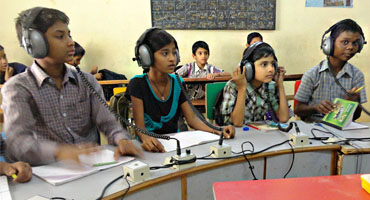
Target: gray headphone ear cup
(249, 71)
(39, 46)
(146, 56)
(276, 66)
(360, 44)
(327, 46)
(177, 57)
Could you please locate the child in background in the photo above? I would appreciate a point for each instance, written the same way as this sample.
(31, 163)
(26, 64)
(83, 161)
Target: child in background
(103, 74)
(49, 112)
(247, 100)
(8, 70)
(318, 88)
(253, 38)
(159, 87)
(200, 68)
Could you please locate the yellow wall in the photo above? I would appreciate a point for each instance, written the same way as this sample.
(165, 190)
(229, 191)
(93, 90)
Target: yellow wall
(108, 30)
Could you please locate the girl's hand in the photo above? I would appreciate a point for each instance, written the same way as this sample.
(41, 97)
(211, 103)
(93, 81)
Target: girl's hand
(151, 144)
(239, 79)
(279, 76)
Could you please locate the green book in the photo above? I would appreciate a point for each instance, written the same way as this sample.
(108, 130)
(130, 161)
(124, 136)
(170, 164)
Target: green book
(342, 115)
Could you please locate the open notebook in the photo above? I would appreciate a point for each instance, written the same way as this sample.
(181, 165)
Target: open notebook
(61, 172)
(4, 189)
(188, 139)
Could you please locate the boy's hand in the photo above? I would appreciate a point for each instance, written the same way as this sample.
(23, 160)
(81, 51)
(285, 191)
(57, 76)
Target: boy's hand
(211, 76)
(229, 132)
(21, 169)
(72, 152)
(8, 72)
(355, 96)
(239, 78)
(325, 107)
(151, 144)
(125, 147)
(279, 75)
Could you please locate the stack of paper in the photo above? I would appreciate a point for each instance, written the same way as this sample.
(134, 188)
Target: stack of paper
(62, 172)
(4, 189)
(188, 139)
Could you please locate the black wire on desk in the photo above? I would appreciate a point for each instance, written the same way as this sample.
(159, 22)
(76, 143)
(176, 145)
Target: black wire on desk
(109, 184)
(253, 153)
(246, 150)
(161, 167)
(128, 188)
(246, 158)
(206, 156)
(291, 165)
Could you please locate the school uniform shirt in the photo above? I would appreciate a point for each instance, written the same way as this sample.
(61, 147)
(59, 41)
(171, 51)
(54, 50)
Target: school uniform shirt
(160, 116)
(318, 84)
(256, 104)
(38, 116)
(191, 70)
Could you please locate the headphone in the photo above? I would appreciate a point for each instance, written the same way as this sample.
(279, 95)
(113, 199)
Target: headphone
(249, 66)
(327, 43)
(144, 55)
(33, 41)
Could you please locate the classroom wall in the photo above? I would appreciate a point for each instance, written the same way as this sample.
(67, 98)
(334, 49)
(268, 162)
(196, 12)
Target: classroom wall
(108, 30)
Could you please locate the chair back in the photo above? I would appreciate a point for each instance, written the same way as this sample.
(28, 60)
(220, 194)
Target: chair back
(296, 86)
(212, 90)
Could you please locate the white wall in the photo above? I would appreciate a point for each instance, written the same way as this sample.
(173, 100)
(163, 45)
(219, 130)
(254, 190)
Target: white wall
(108, 30)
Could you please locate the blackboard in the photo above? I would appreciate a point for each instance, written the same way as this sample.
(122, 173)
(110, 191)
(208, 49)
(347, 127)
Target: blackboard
(214, 14)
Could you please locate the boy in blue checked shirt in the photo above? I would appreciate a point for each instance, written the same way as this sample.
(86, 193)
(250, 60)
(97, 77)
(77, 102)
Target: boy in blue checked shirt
(318, 88)
(200, 68)
(49, 112)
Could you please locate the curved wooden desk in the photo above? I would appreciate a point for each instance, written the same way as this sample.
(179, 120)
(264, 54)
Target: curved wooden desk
(196, 183)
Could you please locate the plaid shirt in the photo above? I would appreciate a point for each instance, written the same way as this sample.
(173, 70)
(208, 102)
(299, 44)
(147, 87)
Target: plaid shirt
(318, 84)
(191, 70)
(256, 105)
(2, 147)
(38, 116)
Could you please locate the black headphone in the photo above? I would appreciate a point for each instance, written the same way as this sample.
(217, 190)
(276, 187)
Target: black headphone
(144, 55)
(33, 41)
(327, 43)
(249, 66)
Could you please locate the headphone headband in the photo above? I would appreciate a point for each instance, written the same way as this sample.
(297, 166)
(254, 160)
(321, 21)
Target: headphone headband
(143, 53)
(248, 64)
(31, 17)
(251, 49)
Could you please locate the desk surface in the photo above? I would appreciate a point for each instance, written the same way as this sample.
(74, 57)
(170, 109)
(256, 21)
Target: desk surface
(91, 186)
(320, 188)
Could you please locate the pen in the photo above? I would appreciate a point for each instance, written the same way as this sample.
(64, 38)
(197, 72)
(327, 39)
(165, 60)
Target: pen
(105, 163)
(14, 176)
(253, 127)
(359, 89)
